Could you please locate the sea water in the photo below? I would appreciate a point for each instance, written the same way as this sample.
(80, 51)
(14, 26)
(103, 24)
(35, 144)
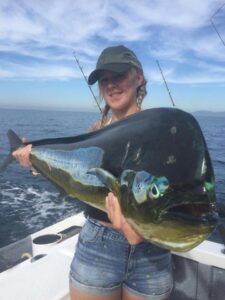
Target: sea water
(28, 204)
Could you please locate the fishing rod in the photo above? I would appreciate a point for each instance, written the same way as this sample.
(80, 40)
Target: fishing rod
(96, 101)
(85, 78)
(214, 26)
(168, 90)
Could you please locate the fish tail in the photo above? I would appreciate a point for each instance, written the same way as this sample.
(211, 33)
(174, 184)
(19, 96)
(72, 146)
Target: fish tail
(15, 142)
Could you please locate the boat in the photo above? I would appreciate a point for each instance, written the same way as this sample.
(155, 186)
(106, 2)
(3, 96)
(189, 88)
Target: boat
(37, 267)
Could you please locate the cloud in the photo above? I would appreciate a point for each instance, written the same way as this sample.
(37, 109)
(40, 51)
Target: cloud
(40, 36)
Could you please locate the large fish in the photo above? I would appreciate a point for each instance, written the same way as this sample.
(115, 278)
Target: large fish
(156, 162)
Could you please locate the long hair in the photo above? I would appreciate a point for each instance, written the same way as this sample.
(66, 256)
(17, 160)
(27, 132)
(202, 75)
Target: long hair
(141, 93)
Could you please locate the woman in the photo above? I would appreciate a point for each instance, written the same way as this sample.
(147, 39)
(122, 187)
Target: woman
(112, 261)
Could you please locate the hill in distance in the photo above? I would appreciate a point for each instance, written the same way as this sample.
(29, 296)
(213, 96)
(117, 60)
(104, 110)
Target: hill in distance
(209, 113)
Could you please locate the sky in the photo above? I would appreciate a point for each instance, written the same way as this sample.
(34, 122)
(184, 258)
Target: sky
(38, 40)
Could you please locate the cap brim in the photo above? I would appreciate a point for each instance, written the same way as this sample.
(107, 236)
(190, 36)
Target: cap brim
(115, 67)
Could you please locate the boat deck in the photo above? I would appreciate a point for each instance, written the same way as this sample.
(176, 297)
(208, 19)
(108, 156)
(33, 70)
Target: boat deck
(199, 274)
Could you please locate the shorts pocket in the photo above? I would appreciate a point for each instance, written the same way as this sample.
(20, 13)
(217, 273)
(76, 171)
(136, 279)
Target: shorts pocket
(90, 233)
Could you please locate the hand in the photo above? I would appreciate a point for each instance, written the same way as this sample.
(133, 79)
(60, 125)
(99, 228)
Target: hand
(118, 220)
(22, 154)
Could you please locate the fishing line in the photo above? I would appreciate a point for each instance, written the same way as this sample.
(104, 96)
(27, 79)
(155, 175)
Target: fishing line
(96, 101)
(221, 227)
(168, 90)
(85, 78)
(214, 26)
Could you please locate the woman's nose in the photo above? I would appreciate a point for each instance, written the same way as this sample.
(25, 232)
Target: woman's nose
(111, 82)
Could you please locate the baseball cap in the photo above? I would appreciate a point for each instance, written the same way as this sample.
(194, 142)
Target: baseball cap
(117, 59)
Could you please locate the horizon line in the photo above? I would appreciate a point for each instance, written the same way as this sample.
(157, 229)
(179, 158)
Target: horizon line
(83, 109)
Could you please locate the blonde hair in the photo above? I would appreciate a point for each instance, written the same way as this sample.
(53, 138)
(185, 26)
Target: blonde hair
(141, 93)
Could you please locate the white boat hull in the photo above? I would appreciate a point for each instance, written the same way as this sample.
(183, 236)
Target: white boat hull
(199, 274)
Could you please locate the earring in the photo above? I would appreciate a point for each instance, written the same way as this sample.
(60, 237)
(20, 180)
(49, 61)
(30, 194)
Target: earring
(139, 101)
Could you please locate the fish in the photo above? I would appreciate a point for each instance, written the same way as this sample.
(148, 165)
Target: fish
(156, 162)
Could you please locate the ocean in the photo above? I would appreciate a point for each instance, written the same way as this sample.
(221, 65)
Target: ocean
(28, 204)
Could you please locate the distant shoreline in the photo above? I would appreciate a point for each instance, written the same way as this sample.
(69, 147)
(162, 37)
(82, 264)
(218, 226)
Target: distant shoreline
(206, 113)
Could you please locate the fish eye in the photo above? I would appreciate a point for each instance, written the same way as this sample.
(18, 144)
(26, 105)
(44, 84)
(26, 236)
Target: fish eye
(154, 192)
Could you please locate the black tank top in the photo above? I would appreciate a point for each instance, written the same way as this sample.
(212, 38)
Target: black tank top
(94, 213)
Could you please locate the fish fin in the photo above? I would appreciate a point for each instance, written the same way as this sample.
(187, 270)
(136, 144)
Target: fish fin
(127, 177)
(108, 179)
(15, 142)
(125, 195)
(6, 162)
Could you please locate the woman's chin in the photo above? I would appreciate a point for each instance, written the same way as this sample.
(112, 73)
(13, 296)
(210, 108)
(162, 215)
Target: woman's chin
(118, 108)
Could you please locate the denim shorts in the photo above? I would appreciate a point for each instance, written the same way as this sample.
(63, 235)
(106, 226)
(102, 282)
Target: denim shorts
(105, 262)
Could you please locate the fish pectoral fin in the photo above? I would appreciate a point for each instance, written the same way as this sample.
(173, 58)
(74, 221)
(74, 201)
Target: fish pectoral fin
(125, 195)
(127, 177)
(108, 179)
